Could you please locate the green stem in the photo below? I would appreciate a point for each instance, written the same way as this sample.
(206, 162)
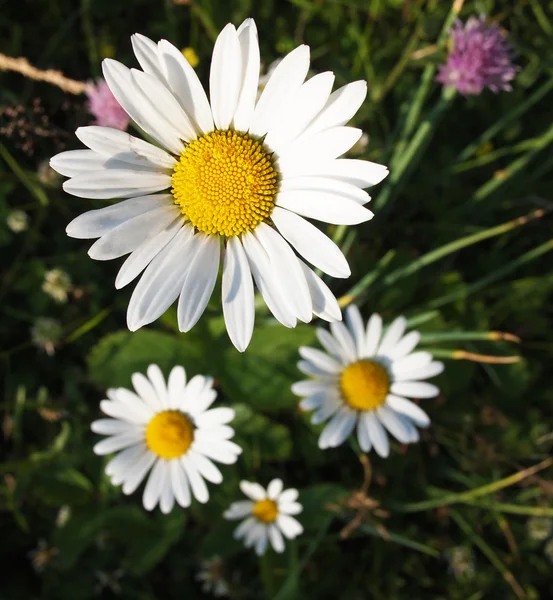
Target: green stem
(266, 573)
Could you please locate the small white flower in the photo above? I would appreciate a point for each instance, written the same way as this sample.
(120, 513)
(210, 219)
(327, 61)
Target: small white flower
(232, 182)
(169, 429)
(211, 576)
(18, 221)
(364, 378)
(57, 284)
(267, 515)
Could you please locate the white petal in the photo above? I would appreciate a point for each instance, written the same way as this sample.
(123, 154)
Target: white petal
(205, 467)
(289, 495)
(225, 77)
(244, 527)
(215, 416)
(331, 345)
(299, 111)
(324, 302)
(138, 471)
(322, 361)
(287, 271)
(143, 254)
(425, 372)
(119, 145)
(237, 295)
(165, 103)
(409, 409)
(146, 391)
(309, 151)
(158, 382)
(249, 50)
(129, 235)
(363, 435)
(175, 386)
(394, 423)
(238, 510)
(338, 429)
(345, 339)
(290, 508)
(285, 80)
(179, 483)
(186, 86)
(199, 281)
(161, 282)
(261, 542)
(118, 442)
(415, 389)
(111, 426)
(392, 336)
(145, 51)
(379, 437)
(77, 162)
(225, 451)
(372, 336)
(356, 328)
(311, 243)
(289, 526)
(116, 183)
(405, 346)
(277, 542)
(254, 491)
(198, 395)
(197, 484)
(167, 499)
(417, 360)
(361, 173)
(139, 107)
(340, 107)
(265, 280)
(308, 387)
(117, 410)
(329, 405)
(154, 487)
(326, 185)
(324, 206)
(274, 488)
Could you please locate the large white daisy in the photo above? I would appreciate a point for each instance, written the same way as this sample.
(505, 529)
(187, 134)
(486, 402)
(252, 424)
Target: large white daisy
(169, 429)
(364, 379)
(233, 173)
(267, 515)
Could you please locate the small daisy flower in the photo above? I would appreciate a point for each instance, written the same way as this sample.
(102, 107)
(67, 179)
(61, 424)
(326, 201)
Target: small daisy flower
(481, 57)
(267, 515)
(364, 379)
(169, 429)
(103, 105)
(233, 181)
(18, 221)
(57, 284)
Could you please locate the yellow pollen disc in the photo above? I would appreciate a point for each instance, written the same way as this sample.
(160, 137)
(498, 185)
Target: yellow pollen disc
(169, 434)
(364, 385)
(225, 183)
(265, 510)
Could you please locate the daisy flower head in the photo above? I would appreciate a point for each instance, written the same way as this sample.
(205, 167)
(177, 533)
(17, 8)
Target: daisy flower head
(167, 427)
(481, 57)
(364, 379)
(229, 182)
(267, 515)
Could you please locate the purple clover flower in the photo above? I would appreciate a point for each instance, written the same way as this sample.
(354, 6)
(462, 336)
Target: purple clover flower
(481, 57)
(103, 105)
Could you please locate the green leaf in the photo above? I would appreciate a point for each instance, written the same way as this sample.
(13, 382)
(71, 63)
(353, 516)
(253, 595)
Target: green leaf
(263, 374)
(66, 486)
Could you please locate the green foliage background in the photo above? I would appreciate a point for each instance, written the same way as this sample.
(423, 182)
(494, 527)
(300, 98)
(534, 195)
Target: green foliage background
(460, 167)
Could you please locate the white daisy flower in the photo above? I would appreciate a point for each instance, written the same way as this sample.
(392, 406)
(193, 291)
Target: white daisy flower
(267, 515)
(363, 379)
(166, 428)
(228, 173)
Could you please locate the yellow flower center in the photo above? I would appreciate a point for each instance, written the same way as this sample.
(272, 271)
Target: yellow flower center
(225, 183)
(364, 385)
(169, 434)
(265, 510)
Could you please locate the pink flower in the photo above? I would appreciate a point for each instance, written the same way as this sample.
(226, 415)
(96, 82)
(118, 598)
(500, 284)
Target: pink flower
(481, 58)
(103, 105)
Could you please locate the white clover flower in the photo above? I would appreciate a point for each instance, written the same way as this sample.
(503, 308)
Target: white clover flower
(231, 173)
(57, 284)
(363, 379)
(166, 428)
(18, 221)
(267, 515)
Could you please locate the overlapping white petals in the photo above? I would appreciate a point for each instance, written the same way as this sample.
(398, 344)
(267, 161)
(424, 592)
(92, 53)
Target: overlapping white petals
(258, 533)
(170, 480)
(301, 122)
(391, 350)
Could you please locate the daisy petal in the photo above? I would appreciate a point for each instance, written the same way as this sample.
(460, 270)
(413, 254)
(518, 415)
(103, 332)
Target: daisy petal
(274, 489)
(145, 51)
(378, 436)
(405, 346)
(431, 370)
(118, 442)
(394, 423)
(138, 471)
(197, 484)
(289, 526)
(415, 389)
(356, 328)
(372, 336)
(77, 162)
(321, 360)
(252, 490)
(179, 483)
(277, 542)
(154, 487)
(361, 173)
(409, 409)
(340, 189)
(324, 302)
(249, 49)
(392, 336)
(238, 510)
